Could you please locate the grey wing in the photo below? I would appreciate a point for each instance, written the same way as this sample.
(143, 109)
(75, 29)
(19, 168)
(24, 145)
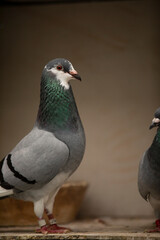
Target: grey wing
(35, 160)
(143, 176)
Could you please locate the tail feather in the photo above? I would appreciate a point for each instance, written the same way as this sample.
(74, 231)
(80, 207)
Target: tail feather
(5, 192)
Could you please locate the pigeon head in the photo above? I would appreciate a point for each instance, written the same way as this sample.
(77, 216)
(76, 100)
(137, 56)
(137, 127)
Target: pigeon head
(62, 70)
(156, 119)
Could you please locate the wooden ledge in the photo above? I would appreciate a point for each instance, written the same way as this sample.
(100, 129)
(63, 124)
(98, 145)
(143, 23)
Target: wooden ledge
(104, 228)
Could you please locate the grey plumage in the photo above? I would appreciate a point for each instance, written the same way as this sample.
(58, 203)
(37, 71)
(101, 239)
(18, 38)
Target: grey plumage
(38, 156)
(40, 163)
(149, 171)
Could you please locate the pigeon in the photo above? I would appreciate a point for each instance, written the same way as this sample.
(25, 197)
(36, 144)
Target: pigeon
(149, 172)
(44, 159)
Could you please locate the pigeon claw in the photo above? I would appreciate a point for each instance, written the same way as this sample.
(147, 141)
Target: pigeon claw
(52, 229)
(42, 230)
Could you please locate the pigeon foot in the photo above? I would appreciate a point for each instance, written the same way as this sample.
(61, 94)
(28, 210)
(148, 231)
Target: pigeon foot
(54, 228)
(157, 229)
(51, 229)
(42, 230)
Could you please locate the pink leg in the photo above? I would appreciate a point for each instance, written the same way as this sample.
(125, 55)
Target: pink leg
(39, 209)
(157, 229)
(43, 226)
(53, 227)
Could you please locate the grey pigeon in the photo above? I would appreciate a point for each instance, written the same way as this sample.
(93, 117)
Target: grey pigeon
(149, 172)
(40, 163)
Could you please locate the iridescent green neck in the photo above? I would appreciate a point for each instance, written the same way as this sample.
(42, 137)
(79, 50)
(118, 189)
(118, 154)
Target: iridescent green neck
(154, 151)
(57, 108)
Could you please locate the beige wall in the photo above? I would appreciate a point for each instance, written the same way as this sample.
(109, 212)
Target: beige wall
(115, 48)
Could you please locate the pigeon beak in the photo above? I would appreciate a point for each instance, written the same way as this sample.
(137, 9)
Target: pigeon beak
(155, 123)
(152, 125)
(75, 74)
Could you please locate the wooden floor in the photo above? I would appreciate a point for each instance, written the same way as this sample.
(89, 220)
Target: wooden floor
(104, 228)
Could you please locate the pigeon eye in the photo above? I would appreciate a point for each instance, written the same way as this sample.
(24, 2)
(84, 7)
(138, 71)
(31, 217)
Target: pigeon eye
(59, 67)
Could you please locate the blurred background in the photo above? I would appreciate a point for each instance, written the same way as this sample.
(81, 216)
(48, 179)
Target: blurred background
(114, 45)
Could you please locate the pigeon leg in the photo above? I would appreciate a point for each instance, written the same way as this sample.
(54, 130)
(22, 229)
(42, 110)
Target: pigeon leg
(53, 227)
(157, 229)
(39, 210)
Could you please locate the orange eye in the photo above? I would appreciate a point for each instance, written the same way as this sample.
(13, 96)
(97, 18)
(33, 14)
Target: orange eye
(59, 67)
